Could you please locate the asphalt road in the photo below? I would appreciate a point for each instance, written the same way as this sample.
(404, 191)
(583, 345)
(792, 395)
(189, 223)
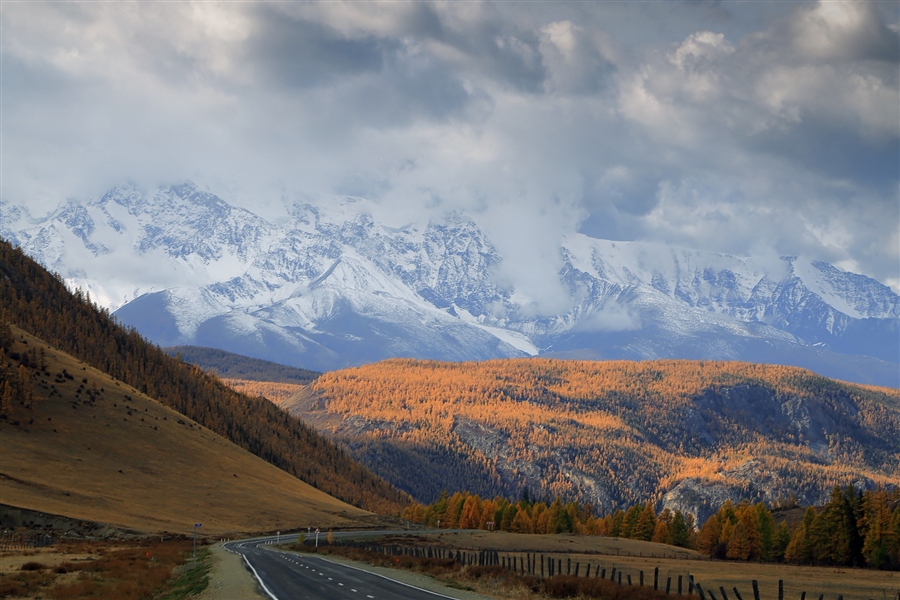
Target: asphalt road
(290, 576)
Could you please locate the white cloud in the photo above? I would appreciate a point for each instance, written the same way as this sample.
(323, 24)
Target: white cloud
(727, 126)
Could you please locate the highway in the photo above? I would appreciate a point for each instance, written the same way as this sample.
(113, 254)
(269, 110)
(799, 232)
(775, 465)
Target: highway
(291, 576)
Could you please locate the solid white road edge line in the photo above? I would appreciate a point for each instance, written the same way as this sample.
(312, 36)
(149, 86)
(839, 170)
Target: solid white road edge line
(259, 579)
(389, 579)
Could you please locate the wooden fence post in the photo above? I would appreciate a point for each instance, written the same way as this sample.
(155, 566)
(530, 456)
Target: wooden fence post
(781, 589)
(739, 597)
(641, 577)
(668, 584)
(656, 579)
(756, 590)
(724, 595)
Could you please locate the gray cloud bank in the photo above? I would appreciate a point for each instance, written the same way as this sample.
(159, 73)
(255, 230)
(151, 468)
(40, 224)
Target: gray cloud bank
(739, 127)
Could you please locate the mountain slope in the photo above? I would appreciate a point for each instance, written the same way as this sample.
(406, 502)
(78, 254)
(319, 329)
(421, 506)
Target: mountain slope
(38, 302)
(91, 448)
(335, 285)
(687, 434)
(229, 365)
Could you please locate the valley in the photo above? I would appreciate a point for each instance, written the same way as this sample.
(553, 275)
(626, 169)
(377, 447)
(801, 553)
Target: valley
(142, 453)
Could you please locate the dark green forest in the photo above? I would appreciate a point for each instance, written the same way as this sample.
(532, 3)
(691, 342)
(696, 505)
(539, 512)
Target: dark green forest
(235, 366)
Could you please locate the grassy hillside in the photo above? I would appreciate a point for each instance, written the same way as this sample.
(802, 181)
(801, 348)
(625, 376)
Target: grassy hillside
(235, 366)
(38, 302)
(610, 433)
(91, 448)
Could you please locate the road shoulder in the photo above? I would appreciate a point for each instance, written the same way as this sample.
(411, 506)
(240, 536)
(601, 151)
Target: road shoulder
(230, 578)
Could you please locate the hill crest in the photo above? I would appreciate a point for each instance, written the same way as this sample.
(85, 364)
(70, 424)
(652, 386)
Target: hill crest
(88, 447)
(686, 434)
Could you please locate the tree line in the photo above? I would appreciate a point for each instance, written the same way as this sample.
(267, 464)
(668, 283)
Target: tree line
(854, 529)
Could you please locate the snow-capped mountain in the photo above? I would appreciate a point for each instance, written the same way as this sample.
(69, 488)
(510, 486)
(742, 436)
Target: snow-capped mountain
(333, 286)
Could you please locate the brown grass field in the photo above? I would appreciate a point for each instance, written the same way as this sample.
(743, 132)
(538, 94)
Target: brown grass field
(95, 569)
(116, 456)
(632, 556)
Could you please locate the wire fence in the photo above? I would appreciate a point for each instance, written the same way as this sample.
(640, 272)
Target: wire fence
(24, 540)
(727, 584)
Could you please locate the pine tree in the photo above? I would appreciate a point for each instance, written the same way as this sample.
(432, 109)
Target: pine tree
(800, 550)
(766, 532)
(708, 538)
(521, 523)
(880, 534)
(829, 534)
(25, 391)
(555, 519)
(782, 539)
(852, 517)
(471, 513)
(6, 337)
(6, 400)
(616, 523)
(631, 518)
(744, 541)
(646, 524)
(680, 535)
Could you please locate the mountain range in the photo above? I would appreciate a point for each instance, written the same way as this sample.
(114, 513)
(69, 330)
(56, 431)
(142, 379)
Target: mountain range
(333, 285)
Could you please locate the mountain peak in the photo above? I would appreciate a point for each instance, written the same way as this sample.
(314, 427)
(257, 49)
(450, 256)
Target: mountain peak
(340, 283)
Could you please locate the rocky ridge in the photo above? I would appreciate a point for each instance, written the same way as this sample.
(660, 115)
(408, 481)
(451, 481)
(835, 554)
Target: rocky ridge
(333, 286)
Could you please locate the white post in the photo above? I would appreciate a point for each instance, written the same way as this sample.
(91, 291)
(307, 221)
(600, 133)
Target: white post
(317, 537)
(196, 525)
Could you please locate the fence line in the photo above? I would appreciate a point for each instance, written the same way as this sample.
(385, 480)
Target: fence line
(545, 565)
(24, 541)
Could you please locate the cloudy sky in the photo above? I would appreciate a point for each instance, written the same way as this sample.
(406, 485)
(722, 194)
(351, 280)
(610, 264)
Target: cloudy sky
(746, 127)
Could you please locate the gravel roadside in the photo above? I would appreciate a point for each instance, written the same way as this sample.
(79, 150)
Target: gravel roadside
(230, 578)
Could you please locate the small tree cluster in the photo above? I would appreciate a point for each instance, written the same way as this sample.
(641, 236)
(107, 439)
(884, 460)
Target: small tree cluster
(463, 510)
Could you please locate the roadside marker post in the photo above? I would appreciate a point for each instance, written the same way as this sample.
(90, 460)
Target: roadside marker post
(196, 525)
(317, 537)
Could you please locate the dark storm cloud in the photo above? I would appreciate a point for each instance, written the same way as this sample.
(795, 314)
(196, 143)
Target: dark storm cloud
(298, 53)
(835, 153)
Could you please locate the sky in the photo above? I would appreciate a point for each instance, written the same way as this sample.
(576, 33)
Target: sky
(752, 128)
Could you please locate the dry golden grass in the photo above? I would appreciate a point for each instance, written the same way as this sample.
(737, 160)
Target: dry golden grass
(125, 459)
(613, 552)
